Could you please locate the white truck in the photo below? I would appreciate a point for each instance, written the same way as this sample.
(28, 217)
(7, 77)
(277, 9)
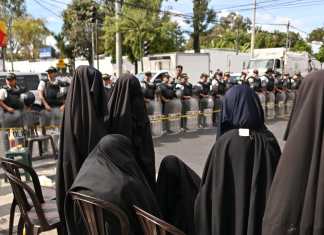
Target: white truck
(280, 61)
(193, 63)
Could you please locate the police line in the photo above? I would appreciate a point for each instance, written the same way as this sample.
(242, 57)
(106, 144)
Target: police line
(153, 119)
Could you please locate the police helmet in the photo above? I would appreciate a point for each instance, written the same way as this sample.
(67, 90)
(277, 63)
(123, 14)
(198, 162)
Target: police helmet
(11, 76)
(28, 98)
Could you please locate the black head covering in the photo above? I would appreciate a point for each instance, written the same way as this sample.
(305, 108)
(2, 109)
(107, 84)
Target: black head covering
(241, 108)
(82, 127)
(235, 184)
(296, 201)
(127, 117)
(177, 188)
(111, 173)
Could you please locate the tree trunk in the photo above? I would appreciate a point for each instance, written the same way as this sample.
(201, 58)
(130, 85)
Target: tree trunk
(196, 42)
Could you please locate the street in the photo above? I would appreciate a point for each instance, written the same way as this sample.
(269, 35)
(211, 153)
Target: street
(192, 148)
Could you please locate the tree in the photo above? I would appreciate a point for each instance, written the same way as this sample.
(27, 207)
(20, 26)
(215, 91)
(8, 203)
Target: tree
(28, 35)
(13, 8)
(230, 32)
(139, 24)
(77, 27)
(203, 16)
(316, 35)
(320, 55)
(301, 46)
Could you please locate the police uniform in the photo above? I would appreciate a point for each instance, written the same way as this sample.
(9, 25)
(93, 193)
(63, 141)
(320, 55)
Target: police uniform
(186, 90)
(148, 90)
(11, 97)
(55, 99)
(271, 83)
(203, 101)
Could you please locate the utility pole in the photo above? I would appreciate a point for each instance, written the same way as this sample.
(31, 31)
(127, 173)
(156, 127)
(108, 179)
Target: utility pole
(3, 59)
(287, 42)
(97, 44)
(93, 48)
(253, 28)
(10, 42)
(119, 59)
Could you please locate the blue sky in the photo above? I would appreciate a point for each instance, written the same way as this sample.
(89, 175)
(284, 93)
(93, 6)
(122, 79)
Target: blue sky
(305, 18)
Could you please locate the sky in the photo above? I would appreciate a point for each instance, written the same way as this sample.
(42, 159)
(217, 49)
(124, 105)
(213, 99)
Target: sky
(304, 15)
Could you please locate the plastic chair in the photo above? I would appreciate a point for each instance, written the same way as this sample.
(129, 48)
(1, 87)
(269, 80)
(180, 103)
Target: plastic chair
(37, 214)
(155, 226)
(92, 212)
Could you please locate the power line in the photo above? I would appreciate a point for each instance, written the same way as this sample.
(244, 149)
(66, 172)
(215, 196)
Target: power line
(48, 9)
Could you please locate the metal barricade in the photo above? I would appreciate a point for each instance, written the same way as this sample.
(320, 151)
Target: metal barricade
(270, 106)
(280, 104)
(290, 102)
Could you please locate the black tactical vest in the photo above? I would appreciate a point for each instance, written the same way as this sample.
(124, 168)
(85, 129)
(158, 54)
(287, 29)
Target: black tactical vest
(148, 90)
(52, 94)
(13, 97)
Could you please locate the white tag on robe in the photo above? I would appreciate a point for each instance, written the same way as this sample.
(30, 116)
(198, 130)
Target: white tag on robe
(244, 132)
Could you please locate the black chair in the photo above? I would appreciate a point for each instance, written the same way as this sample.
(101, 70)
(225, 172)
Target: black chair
(154, 226)
(37, 214)
(92, 212)
(31, 120)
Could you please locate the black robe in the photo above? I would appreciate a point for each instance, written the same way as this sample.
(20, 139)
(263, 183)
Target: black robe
(82, 127)
(296, 200)
(111, 173)
(177, 188)
(127, 116)
(235, 184)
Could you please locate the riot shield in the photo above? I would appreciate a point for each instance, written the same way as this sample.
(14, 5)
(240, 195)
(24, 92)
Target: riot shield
(192, 115)
(262, 99)
(174, 116)
(156, 118)
(290, 102)
(280, 104)
(270, 106)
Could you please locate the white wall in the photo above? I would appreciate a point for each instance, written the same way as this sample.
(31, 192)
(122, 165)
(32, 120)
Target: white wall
(105, 65)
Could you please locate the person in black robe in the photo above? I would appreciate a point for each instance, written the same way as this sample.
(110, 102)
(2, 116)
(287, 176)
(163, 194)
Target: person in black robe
(82, 127)
(111, 173)
(296, 200)
(177, 188)
(239, 170)
(241, 108)
(127, 117)
(231, 197)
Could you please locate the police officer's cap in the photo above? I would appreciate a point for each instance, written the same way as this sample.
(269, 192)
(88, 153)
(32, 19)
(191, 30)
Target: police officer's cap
(184, 75)
(51, 69)
(11, 76)
(106, 77)
(269, 70)
(227, 74)
(148, 74)
(256, 71)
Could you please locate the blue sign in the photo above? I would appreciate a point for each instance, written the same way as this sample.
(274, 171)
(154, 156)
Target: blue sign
(45, 52)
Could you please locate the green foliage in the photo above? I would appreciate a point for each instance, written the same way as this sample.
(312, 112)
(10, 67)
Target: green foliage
(14, 8)
(301, 46)
(77, 27)
(28, 35)
(138, 25)
(316, 35)
(203, 16)
(320, 55)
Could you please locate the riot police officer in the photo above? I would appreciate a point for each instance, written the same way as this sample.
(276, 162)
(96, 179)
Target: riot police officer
(167, 93)
(108, 85)
(148, 90)
(12, 106)
(221, 83)
(270, 80)
(186, 93)
(297, 79)
(204, 88)
(178, 72)
(52, 97)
